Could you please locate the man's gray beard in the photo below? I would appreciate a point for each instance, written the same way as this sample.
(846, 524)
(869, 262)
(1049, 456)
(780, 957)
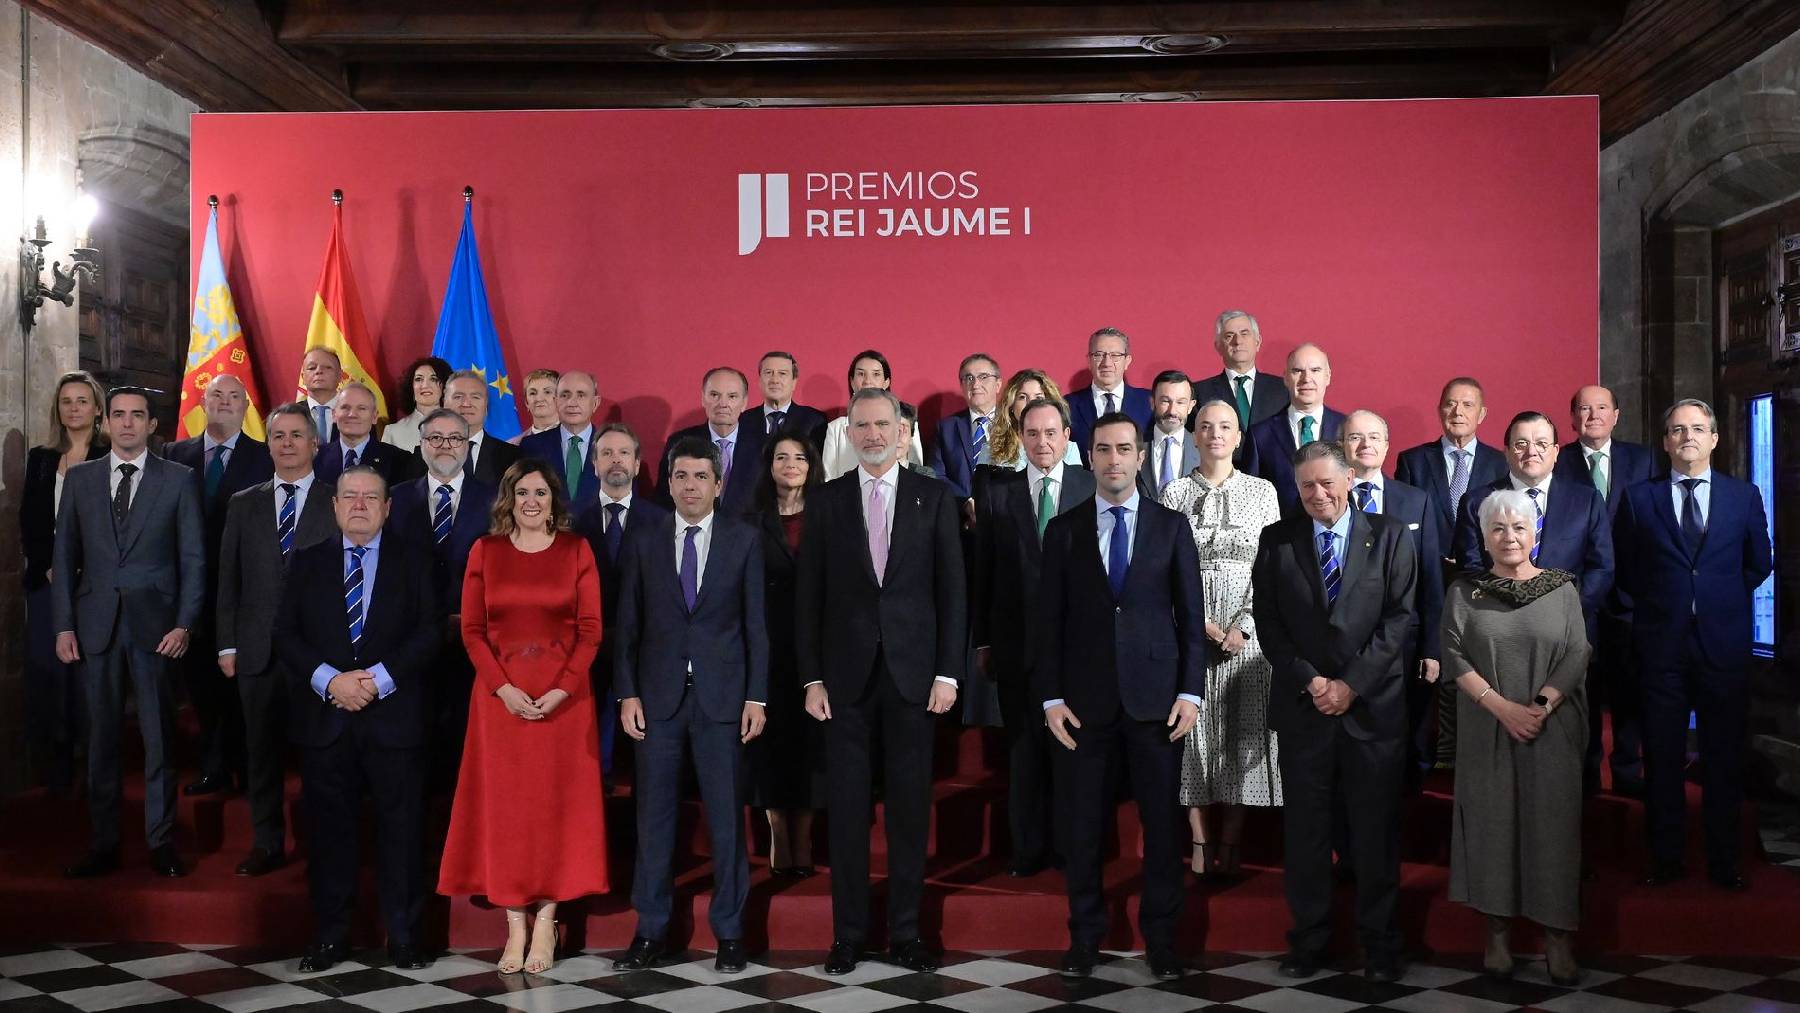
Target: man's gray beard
(872, 459)
(446, 476)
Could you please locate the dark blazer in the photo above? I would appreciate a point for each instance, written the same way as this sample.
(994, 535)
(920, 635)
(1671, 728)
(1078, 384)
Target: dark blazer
(1411, 507)
(1422, 467)
(409, 517)
(1135, 652)
(917, 618)
(801, 420)
(1671, 587)
(953, 452)
(244, 467)
(1577, 538)
(1269, 454)
(746, 458)
(1008, 560)
(401, 630)
(1081, 414)
(496, 456)
(395, 465)
(151, 572)
(1631, 463)
(547, 446)
(252, 571)
(725, 639)
(1268, 395)
(1147, 476)
(37, 510)
(1361, 639)
(589, 523)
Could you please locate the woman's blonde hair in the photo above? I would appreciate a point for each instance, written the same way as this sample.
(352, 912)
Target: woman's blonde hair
(1003, 435)
(99, 393)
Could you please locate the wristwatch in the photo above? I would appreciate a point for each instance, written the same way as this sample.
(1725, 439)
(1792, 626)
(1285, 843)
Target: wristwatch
(1543, 701)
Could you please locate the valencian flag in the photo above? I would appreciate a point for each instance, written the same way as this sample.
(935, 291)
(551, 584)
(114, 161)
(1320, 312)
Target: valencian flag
(466, 337)
(337, 320)
(216, 345)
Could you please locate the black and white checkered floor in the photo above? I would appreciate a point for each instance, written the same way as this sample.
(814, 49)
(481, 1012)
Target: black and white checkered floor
(150, 976)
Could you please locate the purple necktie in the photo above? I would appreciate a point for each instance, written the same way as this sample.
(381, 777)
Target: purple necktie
(878, 532)
(724, 465)
(690, 567)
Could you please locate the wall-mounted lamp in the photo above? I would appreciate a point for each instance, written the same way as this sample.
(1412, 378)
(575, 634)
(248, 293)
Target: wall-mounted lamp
(84, 261)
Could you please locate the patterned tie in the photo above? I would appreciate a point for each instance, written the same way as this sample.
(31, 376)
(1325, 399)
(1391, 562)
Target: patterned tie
(978, 442)
(1539, 506)
(1306, 430)
(440, 516)
(322, 419)
(122, 498)
(690, 567)
(1459, 479)
(353, 593)
(1243, 401)
(1118, 552)
(349, 459)
(1365, 497)
(1046, 505)
(724, 464)
(1328, 567)
(1597, 472)
(775, 420)
(1111, 403)
(572, 466)
(1168, 464)
(878, 533)
(615, 529)
(1693, 527)
(286, 517)
(215, 473)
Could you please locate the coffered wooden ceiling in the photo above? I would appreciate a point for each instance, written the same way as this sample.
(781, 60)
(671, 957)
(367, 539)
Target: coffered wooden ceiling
(1639, 56)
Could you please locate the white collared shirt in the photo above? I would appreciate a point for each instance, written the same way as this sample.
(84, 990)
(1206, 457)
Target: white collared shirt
(302, 488)
(1543, 497)
(362, 449)
(606, 501)
(1036, 480)
(1702, 494)
(433, 484)
(891, 487)
(1294, 415)
(1100, 393)
(1606, 461)
(113, 460)
(1449, 450)
(1231, 386)
(702, 543)
(1379, 493)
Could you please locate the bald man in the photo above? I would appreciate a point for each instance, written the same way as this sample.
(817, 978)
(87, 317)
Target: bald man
(224, 460)
(570, 446)
(1269, 445)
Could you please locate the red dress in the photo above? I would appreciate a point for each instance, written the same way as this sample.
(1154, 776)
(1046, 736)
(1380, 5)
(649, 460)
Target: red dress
(529, 820)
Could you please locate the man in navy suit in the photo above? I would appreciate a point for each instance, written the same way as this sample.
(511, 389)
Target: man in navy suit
(1694, 547)
(776, 374)
(1122, 673)
(691, 668)
(569, 446)
(355, 444)
(1109, 356)
(488, 456)
(1271, 443)
(1258, 396)
(225, 461)
(723, 392)
(1610, 466)
(1366, 444)
(963, 435)
(1169, 450)
(1449, 466)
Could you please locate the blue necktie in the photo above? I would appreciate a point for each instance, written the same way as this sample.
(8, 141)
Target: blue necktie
(353, 593)
(1539, 543)
(215, 473)
(1328, 567)
(1693, 530)
(1166, 473)
(440, 516)
(1112, 404)
(349, 459)
(690, 567)
(1365, 497)
(1118, 554)
(322, 417)
(978, 442)
(286, 517)
(775, 421)
(615, 530)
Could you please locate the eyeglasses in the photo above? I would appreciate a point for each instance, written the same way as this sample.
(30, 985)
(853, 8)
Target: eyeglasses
(972, 378)
(452, 440)
(1109, 356)
(1695, 430)
(1541, 446)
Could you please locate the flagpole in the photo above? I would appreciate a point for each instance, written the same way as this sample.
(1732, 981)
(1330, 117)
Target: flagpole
(212, 201)
(337, 198)
(468, 195)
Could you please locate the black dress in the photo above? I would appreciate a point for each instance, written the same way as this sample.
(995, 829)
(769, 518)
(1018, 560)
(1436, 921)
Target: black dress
(787, 761)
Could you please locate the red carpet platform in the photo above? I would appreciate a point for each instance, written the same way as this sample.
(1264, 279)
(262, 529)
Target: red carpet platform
(970, 901)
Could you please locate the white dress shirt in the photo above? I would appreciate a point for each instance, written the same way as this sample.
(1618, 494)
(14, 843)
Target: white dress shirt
(312, 409)
(606, 515)
(1231, 386)
(113, 460)
(1036, 479)
(1100, 393)
(1317, 414)
(362, 449)
(1702, 494)
(702, 543)
(1606, 462)
(432, 485)
(1543, 488)
(302, 488)
(1377, 494)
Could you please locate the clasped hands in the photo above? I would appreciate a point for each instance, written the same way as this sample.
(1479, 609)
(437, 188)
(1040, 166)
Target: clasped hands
(1060, 719)
(1231, 643)
(519, 705)
(1523, 722)
(1330, 697)
(352, 691)
(750, 722)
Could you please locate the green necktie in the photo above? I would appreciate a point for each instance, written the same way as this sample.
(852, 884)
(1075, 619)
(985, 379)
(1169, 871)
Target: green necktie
(1597, 472)
(215, 473)
(1243, 402)
(1046, 505)
(572, 465)
(1306, 430)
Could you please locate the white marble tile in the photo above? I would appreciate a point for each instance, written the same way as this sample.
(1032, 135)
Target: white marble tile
(406, 997)
(552, 998)
(22, 964)
(993, 972)
(1144, 1000)
(125, 993)
(995, 1000)
(171, 965)
(850, 999)
(699, 999)
(262, 997)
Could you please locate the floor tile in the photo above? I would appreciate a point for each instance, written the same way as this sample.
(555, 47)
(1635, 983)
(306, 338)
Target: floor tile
(1141, 999)
(262, 997)
(701, 972)
(183, 962)
(553, 999)
(130, 993)
(1716, 979)
(1290, 1000)
(698, 999)
(991, 972)
(994, 999)
(22, 964)
(405, 997)
(289, 970)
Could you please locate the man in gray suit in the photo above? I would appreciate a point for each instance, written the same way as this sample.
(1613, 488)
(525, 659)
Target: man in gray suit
(1169, 450)
(265, 525)
(130, 565)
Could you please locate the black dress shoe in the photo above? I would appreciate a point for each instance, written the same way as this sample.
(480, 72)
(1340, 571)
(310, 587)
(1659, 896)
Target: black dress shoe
(1663, 875)
(730, 959)
(166, 863)
(1164, 964)
(322, 957)
(1028, 868)
(913, 955)
(1382, 971)
(94, 863)
(407, 957)
(261, 861)
(1732, 881)
(643, 953)
(207, 785)
(842, 958)
(1079, 961)
(1298, 965)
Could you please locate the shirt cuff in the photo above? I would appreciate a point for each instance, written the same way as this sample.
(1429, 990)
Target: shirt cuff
(945, 678)
(759, 703)
(815, 682)
(384, 683)
(223, 651)
(1053, 703)
(321, 678)
(1190, 698)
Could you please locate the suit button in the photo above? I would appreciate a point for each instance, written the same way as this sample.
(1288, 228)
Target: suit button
(1117, 609)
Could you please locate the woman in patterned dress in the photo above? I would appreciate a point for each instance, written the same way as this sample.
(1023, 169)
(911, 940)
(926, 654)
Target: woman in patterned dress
(1230, 757)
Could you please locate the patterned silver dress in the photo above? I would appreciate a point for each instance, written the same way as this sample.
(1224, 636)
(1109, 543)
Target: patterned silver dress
(1230, 755)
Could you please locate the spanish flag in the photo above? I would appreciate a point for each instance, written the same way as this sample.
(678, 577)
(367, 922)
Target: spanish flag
(337, 320)
(216, 345)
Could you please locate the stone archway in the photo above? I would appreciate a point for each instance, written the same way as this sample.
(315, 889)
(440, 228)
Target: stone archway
(141, 168)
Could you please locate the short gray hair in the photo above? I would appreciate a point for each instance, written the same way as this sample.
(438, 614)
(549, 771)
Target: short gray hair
(1318, 449)
(1110, 332)
(876, 394)
(1365, 411)
(358, 385)
(440, 414)
(298, 410)
(1690, 402)
(1230, 315)
(1508, 503)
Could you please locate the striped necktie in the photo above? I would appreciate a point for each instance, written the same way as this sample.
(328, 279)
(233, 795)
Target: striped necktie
(1365, 497)
(353, 593)
(286, 517)
(1539, 505)
(440, 516)
(978, 442)
(1328, 567)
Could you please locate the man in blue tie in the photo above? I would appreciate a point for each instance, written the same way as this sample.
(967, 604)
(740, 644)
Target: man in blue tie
(320, 373)
(777, 373)
(1170, 451)
(1108, 357)
(962, 436)
(355, 445)
(723, 393)
(1693, 548)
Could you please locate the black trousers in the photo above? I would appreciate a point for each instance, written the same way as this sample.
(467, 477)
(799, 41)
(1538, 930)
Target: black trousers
(1030, 804)
(902, 732)
(718, 766)
(1613, 677)
(455, 679)
(55, 714)
(1317, 770)
(216, 704)
(335, 777)
(1141, 752)
(105, 676)
(1719, 697)
(263, 699)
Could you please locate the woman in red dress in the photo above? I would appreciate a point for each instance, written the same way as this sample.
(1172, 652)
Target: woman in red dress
(528, 824)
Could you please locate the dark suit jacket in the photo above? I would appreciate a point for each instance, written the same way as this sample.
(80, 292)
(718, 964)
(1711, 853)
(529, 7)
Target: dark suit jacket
(252, 571)
(244, 467)
(409, 517)
(401, 630)
(1147, 476)
(1412, 508)
(496, 456)
(1008, 559)
(1135, 652)
(395, 465)
(1631, 463)
(1671, 586)
(953, 453)
(1268, 395)
(589, 523)
(746, 457)
(547, 446)
(916, 618)
(1269, 454)
(1081, 415)
(1577, 538)
(725, 638)
(37, 510)
(1361, 639)
(801, 420)
(151, 571)
(1422, 467)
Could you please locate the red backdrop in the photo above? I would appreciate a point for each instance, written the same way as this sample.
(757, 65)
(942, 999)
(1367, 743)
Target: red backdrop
(1413, 240)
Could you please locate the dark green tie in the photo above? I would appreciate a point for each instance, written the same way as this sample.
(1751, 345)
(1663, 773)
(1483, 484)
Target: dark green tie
(1046, 505)
(572, 465)
(215, 473)
(1243, 402)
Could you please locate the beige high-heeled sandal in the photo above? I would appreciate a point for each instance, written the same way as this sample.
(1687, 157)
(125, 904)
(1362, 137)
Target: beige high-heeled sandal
(512, 959)
(543, 943)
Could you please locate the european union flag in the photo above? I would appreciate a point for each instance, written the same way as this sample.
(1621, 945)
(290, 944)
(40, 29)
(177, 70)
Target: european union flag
(466, 338)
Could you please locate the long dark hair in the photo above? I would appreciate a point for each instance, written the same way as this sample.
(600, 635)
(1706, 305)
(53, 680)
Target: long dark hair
(500, 522)
(404, 395)
(763, 499)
